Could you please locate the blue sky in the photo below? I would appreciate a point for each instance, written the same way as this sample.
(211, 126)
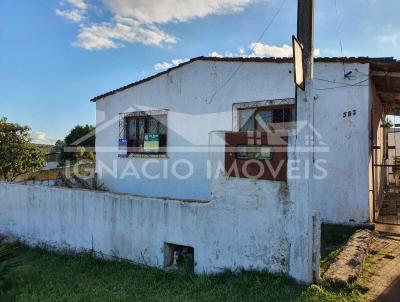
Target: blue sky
(57, 55)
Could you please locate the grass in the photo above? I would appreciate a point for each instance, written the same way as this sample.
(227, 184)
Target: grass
(373, 263)
(47, 276)
(333, 239)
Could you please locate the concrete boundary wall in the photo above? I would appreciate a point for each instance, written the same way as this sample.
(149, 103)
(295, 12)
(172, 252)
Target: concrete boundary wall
(256, 229)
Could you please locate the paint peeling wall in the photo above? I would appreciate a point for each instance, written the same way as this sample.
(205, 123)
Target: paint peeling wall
(196, 110)
(258, 229)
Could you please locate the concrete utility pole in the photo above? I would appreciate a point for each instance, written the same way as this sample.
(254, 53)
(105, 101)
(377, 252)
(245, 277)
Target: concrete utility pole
(305, 33)
(307, 246)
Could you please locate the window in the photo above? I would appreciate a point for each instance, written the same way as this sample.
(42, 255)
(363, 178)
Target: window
(245, 152)
(261, 118)
(263, 156)
(146, 133)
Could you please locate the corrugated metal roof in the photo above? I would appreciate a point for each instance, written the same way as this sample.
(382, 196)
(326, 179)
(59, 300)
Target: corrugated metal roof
(362, 60)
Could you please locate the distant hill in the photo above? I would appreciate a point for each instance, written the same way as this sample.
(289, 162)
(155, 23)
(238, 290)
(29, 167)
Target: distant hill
(46, 148)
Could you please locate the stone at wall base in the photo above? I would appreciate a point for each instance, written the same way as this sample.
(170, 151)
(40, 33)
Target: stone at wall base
(348, 265)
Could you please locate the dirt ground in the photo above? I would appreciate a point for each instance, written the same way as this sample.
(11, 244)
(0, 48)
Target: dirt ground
(380, 279)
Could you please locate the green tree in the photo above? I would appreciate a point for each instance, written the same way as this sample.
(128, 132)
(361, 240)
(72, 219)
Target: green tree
(18, 155)
(78, 144)
(59, 146)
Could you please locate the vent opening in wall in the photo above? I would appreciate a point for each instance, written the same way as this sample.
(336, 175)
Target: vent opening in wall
(178, 257)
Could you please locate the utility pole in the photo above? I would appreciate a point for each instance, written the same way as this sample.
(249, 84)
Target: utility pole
(307, 244)
(305, 33)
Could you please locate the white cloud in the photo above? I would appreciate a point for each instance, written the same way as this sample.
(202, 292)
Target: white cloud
(256, 50)
(40, 136)
(77, 10)
(113, 35)
(217, 54)
(163, 66)
(265, 50)
(72, 15)
(392, 39)
(139, 21)
(167, 11)
(167, 65)
(80, 4)
(261, 50)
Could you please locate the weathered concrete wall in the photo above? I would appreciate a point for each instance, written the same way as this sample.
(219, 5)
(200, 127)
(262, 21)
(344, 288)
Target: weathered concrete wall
(257, 229)
(188, 93)
(342, 197)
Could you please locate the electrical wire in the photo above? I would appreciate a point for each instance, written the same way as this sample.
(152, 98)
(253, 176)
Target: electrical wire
(363, 73)
(335, 82)
(345, 86)
(251, 50)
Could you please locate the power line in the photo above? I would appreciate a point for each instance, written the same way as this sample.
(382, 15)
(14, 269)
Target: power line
(358, 84)
(251, 49)
(336, 82)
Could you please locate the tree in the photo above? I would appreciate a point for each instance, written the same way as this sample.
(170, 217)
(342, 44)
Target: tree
(80, 142)
(59, 146)
(18, 155)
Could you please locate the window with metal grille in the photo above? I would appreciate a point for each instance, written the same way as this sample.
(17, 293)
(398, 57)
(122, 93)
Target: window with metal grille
(145, 132)
(264, 118)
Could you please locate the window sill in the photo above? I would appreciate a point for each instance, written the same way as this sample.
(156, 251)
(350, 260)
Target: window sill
(145, 155)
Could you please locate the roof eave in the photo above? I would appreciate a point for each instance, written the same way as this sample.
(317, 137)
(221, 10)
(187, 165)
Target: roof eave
(348, 60)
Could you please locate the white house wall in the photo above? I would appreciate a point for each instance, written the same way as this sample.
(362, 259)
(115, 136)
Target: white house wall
(343, 195)
(187, 93)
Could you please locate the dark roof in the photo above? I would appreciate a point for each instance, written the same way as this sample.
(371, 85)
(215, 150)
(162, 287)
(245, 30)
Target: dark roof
(362, 60)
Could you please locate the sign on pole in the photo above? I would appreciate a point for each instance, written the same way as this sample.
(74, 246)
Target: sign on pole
(298, 58)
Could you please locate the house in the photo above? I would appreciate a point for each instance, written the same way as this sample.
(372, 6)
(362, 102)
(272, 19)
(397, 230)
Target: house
(206, 94)
(212, 165)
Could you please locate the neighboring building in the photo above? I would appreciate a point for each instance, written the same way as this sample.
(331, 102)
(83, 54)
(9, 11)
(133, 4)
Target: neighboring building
(180, 107)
